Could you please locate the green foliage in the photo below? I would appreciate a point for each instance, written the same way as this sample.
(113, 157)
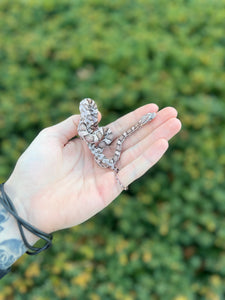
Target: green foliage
(165, 237)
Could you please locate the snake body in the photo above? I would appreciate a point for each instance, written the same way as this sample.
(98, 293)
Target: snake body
(98, 138)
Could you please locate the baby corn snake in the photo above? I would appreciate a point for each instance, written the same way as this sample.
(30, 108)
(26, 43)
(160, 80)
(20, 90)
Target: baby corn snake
(98, 138)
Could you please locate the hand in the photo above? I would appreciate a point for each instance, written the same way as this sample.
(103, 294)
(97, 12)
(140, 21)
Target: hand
(56, 182)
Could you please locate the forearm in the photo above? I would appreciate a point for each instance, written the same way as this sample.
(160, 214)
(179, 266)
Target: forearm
(11, 243)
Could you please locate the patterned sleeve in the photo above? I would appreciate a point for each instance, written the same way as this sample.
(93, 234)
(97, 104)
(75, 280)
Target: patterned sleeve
(4, 272)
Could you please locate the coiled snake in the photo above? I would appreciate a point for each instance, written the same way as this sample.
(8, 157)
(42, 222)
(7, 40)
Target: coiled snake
(98, 138)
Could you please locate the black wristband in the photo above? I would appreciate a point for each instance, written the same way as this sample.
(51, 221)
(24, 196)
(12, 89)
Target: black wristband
(8, 205)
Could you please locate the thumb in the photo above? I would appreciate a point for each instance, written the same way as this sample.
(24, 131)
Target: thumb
(67, 129)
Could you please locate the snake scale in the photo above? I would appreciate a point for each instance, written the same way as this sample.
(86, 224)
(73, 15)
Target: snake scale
(98, 138)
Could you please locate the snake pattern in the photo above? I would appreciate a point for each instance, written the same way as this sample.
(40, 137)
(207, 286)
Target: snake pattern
(98, 138)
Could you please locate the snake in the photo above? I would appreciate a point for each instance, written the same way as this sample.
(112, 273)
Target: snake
(98, 138)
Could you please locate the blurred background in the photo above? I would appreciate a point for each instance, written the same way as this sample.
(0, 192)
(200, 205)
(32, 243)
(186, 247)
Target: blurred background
(165, 237)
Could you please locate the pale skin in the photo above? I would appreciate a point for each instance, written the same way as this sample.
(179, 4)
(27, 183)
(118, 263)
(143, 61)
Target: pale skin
(56, 182)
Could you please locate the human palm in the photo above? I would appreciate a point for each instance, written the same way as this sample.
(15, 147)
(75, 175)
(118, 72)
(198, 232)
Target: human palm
(57, 183)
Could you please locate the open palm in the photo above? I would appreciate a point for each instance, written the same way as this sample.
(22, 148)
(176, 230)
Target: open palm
(57, 183)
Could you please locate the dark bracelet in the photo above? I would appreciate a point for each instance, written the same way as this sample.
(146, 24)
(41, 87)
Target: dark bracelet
(8, 205)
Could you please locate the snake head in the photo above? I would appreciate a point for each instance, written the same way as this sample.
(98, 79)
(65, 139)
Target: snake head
(87, 105)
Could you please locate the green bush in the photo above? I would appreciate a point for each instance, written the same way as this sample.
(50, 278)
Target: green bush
(165, 237)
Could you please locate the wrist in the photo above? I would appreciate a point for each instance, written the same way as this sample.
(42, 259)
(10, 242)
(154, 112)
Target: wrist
(12, 192)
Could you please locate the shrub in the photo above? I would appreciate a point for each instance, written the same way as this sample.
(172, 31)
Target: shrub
(165, 237)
